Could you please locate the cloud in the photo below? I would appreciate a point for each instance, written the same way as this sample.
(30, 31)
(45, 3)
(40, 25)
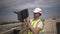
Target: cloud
(29, 3)
(40, 3)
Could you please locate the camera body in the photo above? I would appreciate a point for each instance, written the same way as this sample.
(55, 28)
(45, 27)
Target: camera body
(22, 15)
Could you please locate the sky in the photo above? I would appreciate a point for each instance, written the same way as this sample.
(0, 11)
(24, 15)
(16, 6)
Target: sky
(50, 8)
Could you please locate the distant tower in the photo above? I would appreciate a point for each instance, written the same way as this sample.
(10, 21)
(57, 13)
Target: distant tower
(22, 15)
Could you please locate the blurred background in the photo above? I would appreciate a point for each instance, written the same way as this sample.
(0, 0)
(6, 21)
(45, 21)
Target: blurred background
(50, 13)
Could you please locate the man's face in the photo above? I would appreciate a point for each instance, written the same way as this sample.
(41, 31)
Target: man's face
(36, 15)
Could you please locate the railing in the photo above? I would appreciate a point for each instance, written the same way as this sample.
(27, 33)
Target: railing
(20, 29)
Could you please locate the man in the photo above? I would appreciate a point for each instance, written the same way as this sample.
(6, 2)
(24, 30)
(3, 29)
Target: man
(36, 25)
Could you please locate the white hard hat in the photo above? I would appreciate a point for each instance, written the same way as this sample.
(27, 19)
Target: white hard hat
(37, 10)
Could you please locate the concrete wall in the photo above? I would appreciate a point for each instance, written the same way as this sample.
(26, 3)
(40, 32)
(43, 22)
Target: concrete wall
(50, 26)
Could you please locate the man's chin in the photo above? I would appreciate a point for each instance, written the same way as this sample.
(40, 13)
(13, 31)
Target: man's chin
(34, 17)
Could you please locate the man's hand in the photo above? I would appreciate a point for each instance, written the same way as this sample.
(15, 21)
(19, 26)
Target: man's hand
(29, 25)
(28, 19)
